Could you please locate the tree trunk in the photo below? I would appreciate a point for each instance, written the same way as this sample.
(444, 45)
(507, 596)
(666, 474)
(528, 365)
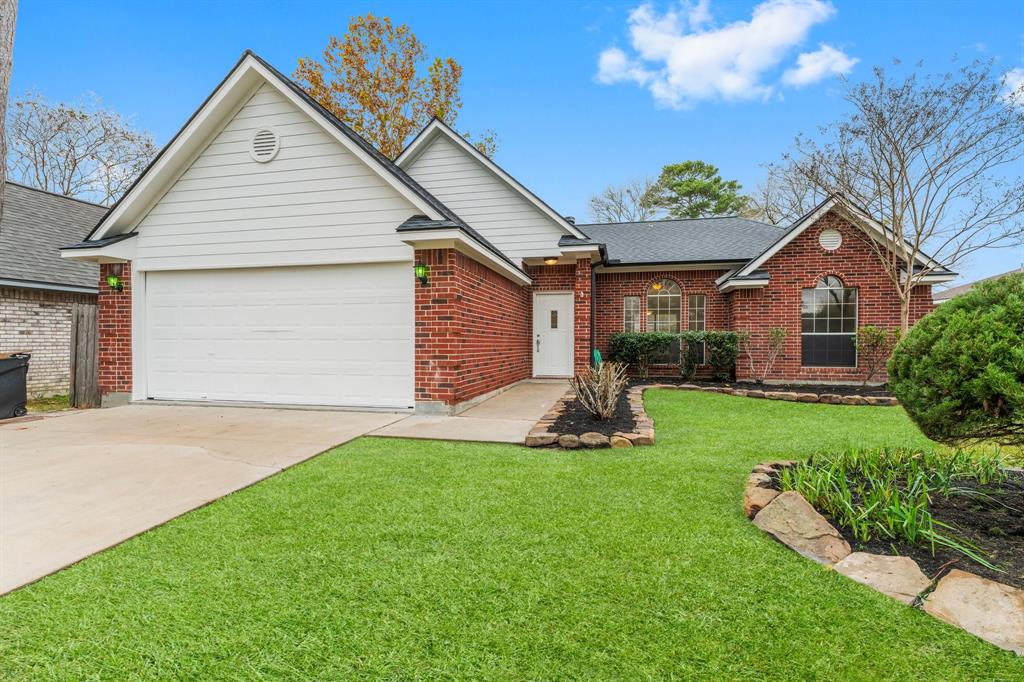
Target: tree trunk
(8, 17)
(904, 314)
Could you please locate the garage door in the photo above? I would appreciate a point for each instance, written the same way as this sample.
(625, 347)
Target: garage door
(331, 335)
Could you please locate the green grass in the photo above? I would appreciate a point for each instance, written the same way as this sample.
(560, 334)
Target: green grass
(51, 403)
(404, 559)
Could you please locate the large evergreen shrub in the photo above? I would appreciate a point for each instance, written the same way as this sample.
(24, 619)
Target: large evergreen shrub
(638, 348)
(959, 372)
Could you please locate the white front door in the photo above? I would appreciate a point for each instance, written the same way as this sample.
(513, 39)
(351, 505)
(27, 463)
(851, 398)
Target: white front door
(552, 334)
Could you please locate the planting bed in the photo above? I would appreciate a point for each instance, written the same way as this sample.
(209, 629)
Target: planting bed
(819, 389)
(577, 420)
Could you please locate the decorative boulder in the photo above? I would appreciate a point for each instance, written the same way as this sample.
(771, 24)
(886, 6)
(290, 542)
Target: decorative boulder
(987, 609)
(897, 576)
(756, 498)
(569, 441)
(620, 442)
(791, 520)
(537, 440)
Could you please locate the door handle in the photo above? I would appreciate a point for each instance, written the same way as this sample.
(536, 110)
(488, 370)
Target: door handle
(538, 342)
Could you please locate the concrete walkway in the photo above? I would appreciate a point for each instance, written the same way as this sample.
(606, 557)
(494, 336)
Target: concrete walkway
(505, 418)
(73, 485)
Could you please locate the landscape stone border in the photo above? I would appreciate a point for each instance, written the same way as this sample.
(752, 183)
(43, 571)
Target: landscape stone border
(541, 434)
(985, 608)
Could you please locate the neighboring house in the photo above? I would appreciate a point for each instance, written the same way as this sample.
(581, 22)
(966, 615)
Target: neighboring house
(37, 287)
(268, 254)
(952, 292)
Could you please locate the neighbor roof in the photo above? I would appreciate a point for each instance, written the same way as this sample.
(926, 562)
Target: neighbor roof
(36, 224)
(952, 292)
(725, 239)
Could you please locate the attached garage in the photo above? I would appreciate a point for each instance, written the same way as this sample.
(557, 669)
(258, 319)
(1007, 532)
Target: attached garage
(327, 335)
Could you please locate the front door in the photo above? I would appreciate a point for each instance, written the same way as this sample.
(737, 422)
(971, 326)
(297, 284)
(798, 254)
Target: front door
(552, 335)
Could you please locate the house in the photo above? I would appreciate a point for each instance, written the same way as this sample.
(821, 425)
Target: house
(271, 255)
(38, 288)
(950, 293)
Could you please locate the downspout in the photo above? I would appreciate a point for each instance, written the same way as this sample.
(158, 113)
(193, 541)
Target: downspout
(593, 310)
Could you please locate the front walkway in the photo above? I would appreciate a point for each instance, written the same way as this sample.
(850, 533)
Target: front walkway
(75, 484)
(505, 418)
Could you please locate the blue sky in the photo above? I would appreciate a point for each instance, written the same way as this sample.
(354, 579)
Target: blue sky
(531, 72)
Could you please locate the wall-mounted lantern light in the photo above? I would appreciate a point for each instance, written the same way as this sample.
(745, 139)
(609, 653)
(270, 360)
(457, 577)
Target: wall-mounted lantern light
(422, 273)
(550, 261)
(114, 278)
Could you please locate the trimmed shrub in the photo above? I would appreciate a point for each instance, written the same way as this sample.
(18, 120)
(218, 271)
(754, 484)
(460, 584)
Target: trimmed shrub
(959, 372)
(690, 352)
(722, 350)
(637, 348)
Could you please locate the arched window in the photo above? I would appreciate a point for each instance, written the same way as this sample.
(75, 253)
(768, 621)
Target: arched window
(829, 324)
(663, 313)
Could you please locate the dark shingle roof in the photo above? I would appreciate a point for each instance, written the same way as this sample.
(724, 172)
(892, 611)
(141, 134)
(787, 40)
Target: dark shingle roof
(36, 224)
(725, 239)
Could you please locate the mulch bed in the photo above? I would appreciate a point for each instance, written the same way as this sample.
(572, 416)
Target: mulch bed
(995, 525)
(576, 420)
(820, 389)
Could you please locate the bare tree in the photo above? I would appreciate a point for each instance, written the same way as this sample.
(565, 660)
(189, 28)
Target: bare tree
(8, 19)
(631, 202)
(931, 159)
(79, 150)
(783, 196)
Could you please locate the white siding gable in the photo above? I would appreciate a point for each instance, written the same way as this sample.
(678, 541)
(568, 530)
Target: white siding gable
(315, 203)
(494, 209)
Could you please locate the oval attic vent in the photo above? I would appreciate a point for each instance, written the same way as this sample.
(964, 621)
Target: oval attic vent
(264, 144)
(830, 239)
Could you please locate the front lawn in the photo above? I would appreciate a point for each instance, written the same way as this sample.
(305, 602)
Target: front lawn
(416, 559)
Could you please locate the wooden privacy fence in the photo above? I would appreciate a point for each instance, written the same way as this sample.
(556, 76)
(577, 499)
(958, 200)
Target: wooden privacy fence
(85, 385)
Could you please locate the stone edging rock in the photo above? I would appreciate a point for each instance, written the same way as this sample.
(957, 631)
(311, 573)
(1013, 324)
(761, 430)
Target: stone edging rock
(985, 608)
(541, 434)
(790, 396)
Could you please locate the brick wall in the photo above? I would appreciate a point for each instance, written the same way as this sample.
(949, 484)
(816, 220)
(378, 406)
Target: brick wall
(115, 327)
(800, 265)
(472, 329)
(39, 322)
(613, 287)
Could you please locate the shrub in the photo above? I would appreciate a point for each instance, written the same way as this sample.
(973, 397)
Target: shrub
(761, 367)
(959, 372)
(722, 350)
(598, 389)
(637, 348)
(874, 347)
(689, 357)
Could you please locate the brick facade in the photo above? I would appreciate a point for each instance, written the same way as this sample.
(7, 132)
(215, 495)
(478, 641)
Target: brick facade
(39, 322)
(797, 266)
(472, 329)
(115, 331)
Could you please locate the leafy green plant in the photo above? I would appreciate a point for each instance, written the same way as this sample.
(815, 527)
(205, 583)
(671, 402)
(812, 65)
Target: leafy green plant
(691, 351)
(959, 372)
(722, 350)
(639, 348)
(874, 346)
(886, 493)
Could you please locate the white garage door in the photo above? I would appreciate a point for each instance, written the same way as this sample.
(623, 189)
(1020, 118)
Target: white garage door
(330, 335)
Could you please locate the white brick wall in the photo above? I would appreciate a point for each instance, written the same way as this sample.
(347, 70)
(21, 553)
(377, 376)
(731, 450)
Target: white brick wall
(39, 322)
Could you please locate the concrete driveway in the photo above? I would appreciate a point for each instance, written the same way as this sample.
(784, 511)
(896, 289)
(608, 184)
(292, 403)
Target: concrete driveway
(75, 484)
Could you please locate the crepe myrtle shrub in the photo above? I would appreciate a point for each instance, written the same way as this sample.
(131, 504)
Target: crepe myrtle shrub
(761, 357)
(959, 372)
(720, 352)
(638, 348)
(874, 347)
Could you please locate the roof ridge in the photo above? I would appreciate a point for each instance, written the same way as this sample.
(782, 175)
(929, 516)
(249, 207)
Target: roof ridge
(55, 194)
(676, 220)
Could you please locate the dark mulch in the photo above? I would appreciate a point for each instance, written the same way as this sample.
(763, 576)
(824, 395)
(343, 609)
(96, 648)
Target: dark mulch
(796, 388)
(576, 420)
(995, 524)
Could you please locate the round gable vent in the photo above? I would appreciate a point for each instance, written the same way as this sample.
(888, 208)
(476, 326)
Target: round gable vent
(830, 239)
(264, 144)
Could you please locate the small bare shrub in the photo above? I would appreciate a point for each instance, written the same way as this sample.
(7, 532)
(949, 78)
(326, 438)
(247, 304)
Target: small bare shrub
(775, 344)
(598, 388)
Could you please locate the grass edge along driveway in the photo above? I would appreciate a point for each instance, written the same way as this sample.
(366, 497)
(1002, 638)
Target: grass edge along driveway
(419, 559)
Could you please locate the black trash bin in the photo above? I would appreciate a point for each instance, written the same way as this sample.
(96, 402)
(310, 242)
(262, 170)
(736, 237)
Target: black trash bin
(13, 370)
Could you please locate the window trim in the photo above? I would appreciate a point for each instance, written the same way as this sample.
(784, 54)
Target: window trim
(856, 323)
(639, 314)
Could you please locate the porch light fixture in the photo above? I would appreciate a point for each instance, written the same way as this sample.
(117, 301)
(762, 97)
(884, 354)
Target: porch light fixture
(114, 278)
(422, 273)
(550, 261)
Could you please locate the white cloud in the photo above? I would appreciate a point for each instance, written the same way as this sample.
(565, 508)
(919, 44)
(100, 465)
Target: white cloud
(812, 67)
(1013, 86)
(682, 57)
